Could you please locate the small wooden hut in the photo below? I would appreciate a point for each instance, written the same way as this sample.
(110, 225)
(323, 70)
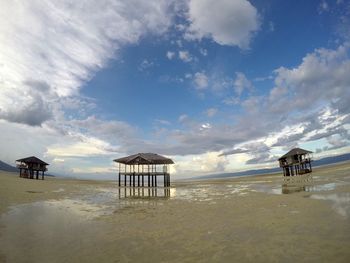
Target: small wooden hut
(295, 162)
(31, 167)
(139, 166)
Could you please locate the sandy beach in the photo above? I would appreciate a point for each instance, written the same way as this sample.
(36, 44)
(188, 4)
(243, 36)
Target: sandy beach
(264, 218)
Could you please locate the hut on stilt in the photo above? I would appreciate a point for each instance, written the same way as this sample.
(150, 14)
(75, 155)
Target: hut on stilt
(295, 162)
(31, 167)
(135, 168)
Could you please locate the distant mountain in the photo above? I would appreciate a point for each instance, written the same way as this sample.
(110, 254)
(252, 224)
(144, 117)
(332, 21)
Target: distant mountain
(7, 168)
(323, 161)
(333, 159)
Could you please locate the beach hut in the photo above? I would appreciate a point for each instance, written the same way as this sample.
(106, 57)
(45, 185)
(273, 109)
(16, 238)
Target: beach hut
(31, 167)
(144, 165)
(295, 162)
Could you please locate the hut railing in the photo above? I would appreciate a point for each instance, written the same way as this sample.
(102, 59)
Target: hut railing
(286, 163)
(144, 173)
(33, 167)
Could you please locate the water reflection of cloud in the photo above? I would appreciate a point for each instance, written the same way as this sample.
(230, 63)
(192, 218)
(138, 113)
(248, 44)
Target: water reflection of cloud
(209, 192)
(340, 202)
(79, 207)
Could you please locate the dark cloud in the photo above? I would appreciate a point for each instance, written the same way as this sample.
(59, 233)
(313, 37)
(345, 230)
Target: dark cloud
(288, 139)
(262, 158)
(33, 113)
(234, 151)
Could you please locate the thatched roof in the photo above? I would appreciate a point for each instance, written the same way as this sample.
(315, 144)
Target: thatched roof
(32, 159)
(144, 158)
(295, 151)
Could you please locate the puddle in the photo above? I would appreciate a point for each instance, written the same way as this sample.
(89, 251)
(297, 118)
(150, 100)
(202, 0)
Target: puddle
(340, 202)
(209, 192)
(297, 184)
(269, 189)
(58, 190)
(50, 231)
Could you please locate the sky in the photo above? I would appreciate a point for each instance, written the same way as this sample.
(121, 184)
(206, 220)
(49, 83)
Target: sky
(216, 85)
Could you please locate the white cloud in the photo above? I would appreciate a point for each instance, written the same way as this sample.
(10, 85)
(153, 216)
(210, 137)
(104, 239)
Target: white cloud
(145, 65)
(183, 118)
(241, 83)
(226, 22)
(91, 147)
(323, 7)
(163, 122)
(170, 55)
(185, 56)
(48, 49)
(203, 51)
(201, 80)
(211, 112)
(321, 77)
(193, 165)
(231, 101)
(205, 126)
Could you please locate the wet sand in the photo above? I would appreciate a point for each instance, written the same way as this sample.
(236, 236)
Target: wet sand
(264, 218)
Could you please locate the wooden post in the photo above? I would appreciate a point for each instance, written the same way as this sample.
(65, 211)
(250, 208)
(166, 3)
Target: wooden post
(155, 180)
(143, 181)
(148, 180)
(164, 180)
(310, 166)
(138, 180)
(119, 174)
(124, 179)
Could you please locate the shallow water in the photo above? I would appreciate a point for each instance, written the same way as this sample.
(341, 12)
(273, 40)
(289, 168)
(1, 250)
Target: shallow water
(208, 222)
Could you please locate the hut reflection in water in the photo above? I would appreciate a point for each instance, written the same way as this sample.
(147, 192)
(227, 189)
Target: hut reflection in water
(143, 193)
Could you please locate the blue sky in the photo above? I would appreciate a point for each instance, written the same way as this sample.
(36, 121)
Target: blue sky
(219, 86)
